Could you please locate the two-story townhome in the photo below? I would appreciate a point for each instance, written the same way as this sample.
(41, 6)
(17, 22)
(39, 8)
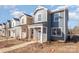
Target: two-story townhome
(14, 24)
(22, 28)
(49, 25)
(58, 25)
(3, 29)
(8, 26)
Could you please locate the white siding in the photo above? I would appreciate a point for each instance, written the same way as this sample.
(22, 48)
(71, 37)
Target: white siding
(13, 23)
(23, 20)
(43, 14)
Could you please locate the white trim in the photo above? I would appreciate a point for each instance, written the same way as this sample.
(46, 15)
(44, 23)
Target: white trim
(64, 26)
(41, 39)
(46, 29)
(34, 26)
(41, 17)
(56, 35)
(41, 27)
(40, 14)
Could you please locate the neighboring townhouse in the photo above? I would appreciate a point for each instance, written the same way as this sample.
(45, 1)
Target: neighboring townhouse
(3, 29)
(14, 24)
(58, 25)
(49, 25)
(22, 29)
(0, 29)
(8, 26)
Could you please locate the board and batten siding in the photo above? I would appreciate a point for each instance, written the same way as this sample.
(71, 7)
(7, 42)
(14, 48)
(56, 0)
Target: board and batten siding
(62, 23)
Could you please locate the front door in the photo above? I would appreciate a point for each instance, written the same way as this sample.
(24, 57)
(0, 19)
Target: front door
(39, 35)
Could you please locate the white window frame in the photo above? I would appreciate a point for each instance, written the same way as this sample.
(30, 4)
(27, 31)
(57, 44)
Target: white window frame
(55, 16)
(56, 35)
(41, 17)
(46, 29)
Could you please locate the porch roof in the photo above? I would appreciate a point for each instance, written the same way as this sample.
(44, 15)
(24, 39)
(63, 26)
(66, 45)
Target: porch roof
(35, 25)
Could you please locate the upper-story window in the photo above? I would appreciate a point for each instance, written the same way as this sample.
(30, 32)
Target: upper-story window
(39, 17)
(62, 15)
(56, 17)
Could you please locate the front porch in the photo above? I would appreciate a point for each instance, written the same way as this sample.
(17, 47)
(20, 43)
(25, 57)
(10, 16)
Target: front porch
(36, 32)
(23, 32)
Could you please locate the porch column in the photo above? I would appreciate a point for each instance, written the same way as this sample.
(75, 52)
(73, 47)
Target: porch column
(29, 34)
(41, 40)
(34, 34)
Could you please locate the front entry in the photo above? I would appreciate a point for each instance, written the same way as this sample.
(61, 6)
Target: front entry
(38, 35)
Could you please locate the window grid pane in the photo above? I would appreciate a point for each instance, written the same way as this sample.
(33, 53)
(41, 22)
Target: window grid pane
(56, 17)
(39, 17)
(56, 31)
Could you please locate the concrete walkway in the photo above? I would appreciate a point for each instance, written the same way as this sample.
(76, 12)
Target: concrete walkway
(7, 39)
(16, 46)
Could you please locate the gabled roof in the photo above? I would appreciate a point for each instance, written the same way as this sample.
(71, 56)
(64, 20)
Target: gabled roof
(4, 23)
(39, 8)
(59, 10)
(0, 24)
(25, 14)
(16, 19)
(8, 21)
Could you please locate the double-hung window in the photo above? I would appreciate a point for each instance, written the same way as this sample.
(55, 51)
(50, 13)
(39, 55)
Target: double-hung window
(55, 31)
(56, 17)
(45, 30)
(39, 17)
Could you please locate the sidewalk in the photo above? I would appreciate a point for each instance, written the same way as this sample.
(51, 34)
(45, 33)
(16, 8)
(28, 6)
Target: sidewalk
(7, 39)
(16, 46)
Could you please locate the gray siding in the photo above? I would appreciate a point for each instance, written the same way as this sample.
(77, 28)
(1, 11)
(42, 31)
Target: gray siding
(62, 23)
(49, 27)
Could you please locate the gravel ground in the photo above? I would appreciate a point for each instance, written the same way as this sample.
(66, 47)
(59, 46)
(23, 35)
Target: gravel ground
(9, 43)
(53, 47)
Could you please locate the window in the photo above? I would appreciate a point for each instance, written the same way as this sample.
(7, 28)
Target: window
(44, 30)
(56, 31)
(3, 31)
(56, 17)
(39, 17)
(13, 31)
(62, 15)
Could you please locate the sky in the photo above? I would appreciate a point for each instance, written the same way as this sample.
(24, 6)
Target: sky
(7, 12)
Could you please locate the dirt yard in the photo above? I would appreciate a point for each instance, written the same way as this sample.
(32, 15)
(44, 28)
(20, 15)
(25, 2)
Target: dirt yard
(9, 43)
(53, 47)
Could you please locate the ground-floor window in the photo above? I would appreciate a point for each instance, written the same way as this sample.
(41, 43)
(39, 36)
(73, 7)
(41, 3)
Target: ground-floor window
(13, 31)
(45, 30)
(55, 31)
(31, 33)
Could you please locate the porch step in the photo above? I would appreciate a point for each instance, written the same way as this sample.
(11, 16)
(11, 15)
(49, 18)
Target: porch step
(61, 41)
